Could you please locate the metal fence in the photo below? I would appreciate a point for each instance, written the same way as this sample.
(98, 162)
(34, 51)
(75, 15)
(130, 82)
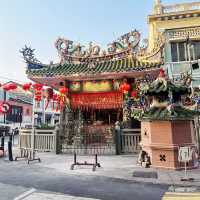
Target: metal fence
(90, 144)
(44, 140)
(130, 139)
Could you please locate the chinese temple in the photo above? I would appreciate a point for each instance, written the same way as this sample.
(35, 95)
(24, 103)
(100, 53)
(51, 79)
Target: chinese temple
(97, 81)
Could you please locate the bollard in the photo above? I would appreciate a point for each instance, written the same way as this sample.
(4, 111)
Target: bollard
(10, 156)
(2, 143)
(10, 138)
(118, 138)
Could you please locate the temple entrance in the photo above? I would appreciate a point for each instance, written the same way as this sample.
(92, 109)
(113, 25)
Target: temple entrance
(91, 131)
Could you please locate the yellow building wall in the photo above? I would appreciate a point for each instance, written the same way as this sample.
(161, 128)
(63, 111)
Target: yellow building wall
(156, 26)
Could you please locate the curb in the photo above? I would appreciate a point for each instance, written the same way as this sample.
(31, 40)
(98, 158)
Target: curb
(183, 196)
(146, 182)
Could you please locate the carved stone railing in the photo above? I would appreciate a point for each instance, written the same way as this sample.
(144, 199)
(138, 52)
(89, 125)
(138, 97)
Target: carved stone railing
(181, 7)
(184, 33)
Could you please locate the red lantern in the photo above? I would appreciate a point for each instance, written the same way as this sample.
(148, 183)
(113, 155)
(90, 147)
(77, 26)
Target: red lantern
(5, 87)
(27, 86)
(134, 94)
(125, 87)
(10, 86)
(63, 90)
(121, 88)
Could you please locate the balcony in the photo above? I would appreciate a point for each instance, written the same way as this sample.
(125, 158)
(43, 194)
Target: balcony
(184, 7)
(175, 69)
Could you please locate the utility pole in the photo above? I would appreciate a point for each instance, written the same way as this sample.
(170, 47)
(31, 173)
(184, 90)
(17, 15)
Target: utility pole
(4, 99)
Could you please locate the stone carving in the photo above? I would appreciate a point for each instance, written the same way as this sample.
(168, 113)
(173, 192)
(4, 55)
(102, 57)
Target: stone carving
(184, 33)
(156, 52)
(127, 44)
(68, 50)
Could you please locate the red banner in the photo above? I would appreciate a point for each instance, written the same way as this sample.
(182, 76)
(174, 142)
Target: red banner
(101, 100)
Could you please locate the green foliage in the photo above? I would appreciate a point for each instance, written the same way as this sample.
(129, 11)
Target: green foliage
(136, 113)
(176, 112)
(46, 126)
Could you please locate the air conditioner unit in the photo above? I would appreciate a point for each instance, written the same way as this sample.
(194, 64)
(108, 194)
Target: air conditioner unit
(195, 66)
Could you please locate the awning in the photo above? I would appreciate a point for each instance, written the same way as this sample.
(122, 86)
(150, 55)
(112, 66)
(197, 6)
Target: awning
(100, 100)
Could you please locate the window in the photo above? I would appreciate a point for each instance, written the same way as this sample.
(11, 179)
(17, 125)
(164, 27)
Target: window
(174, 52)
(15, 115)
(197, 49)
(182, 51)
(37, 104)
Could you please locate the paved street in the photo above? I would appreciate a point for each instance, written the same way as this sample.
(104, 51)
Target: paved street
(18, 177)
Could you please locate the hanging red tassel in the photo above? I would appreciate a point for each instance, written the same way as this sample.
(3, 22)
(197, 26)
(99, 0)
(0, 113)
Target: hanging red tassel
(37, 86)
(38, 91)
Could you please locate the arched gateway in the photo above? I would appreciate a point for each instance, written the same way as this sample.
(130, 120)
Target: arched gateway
(101, 85)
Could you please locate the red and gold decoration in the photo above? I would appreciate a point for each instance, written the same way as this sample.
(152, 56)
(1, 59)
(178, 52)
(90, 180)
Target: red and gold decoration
(56, 100)
(62, 97)
(38, 91)
(75, 86)
(100, 100)
(97, 86)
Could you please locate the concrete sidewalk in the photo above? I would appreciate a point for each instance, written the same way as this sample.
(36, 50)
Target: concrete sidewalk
(118, 167)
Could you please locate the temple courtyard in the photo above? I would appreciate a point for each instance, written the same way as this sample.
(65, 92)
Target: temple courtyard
(119, 177)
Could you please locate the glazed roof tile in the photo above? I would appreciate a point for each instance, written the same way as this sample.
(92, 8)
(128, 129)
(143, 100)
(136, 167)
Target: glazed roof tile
(70, 69)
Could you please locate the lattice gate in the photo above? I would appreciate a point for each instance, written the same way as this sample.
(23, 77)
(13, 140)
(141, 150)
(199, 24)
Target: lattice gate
(77, 139)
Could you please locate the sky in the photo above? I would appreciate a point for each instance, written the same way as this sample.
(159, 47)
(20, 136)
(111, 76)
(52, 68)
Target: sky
(38, 23)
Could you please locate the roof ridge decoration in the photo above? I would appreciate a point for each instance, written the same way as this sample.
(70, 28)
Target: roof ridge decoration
(29, 55)
(71, 52)
(127, 46)
(155, 53)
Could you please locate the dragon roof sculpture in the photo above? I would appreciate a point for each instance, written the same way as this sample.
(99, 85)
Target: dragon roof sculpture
(69, 51)
(126, 56)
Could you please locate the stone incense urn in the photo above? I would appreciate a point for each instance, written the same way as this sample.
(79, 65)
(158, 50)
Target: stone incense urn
(167, 124)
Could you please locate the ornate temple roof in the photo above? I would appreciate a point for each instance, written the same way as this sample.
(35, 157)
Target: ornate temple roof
(125, 65)
(124, 56)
